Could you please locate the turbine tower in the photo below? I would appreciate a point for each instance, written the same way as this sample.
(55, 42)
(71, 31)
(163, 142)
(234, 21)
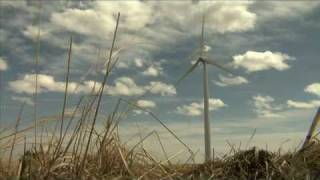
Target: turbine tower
(205, 61)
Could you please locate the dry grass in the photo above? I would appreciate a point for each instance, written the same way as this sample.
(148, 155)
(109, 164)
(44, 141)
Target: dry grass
(110, 159)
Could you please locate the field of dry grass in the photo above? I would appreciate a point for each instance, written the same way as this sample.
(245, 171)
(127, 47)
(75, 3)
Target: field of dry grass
(108, 158)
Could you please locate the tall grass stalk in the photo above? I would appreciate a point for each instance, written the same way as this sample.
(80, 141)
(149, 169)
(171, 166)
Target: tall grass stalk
(15, 136)
(65, 96)
(158, 120)
(108, 69)
(37, 60)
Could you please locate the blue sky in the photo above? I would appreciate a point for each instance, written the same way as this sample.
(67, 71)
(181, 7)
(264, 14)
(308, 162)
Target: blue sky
(273, 46)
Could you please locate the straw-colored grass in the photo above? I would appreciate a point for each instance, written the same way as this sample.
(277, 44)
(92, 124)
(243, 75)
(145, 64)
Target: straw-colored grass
(113, 160)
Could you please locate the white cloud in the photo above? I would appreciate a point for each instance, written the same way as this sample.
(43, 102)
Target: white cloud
(148, 25)
(193, 109)
(196, 108)
(313, 89)
(146, 104)
(100, 19)
(268, 10)
(127, 62)
(303, 105)
(26, 100)
(254, 61)
(135, 14)
(87, 21)
(153, 71)
(220, 16)
(264, 107)
(47, 83)
(137, 112)
(157, 87)
(139, 62)
(31, 32)
(3, 64)
(125, 86)
(231, 81)
(16, 4)
(227, 17)
(121, 65)
(27, 84)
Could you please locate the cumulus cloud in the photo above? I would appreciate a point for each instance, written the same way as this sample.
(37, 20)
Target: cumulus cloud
(303, 105)
(121, 65)
(125, 86)
(146, 104)
(148, 24)
(27, 84)
(196, 108)
(153, 71)
(220, 16)
(47, 83)
(138, 62)
(253, 61)
(157, 87)
(122, 86)
(135, 14)
(100, 19)
(231, 81)
(86, 21)
(32, 31)
(313, 89)
(230, 18)
(3, 64)
(127, 62)
(264, 107)
(268, 10)
(22, 99)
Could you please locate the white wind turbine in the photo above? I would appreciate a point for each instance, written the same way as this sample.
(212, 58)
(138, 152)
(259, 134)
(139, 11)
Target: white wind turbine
(204, 60)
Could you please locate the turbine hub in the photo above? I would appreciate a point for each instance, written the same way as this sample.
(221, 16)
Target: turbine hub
(202, 59)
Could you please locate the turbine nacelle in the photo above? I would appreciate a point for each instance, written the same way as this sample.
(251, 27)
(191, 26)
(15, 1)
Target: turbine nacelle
(202, 59)
(206, 61)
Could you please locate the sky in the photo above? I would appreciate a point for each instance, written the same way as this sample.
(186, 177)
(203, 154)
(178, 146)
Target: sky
(271, 46)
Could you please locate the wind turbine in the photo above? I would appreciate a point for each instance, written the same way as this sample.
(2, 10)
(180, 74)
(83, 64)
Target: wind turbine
(205, 61)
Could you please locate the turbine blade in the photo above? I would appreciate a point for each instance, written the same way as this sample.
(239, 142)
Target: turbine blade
(220, 67)
(194, 54)
(202, 37)
(188, 72)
